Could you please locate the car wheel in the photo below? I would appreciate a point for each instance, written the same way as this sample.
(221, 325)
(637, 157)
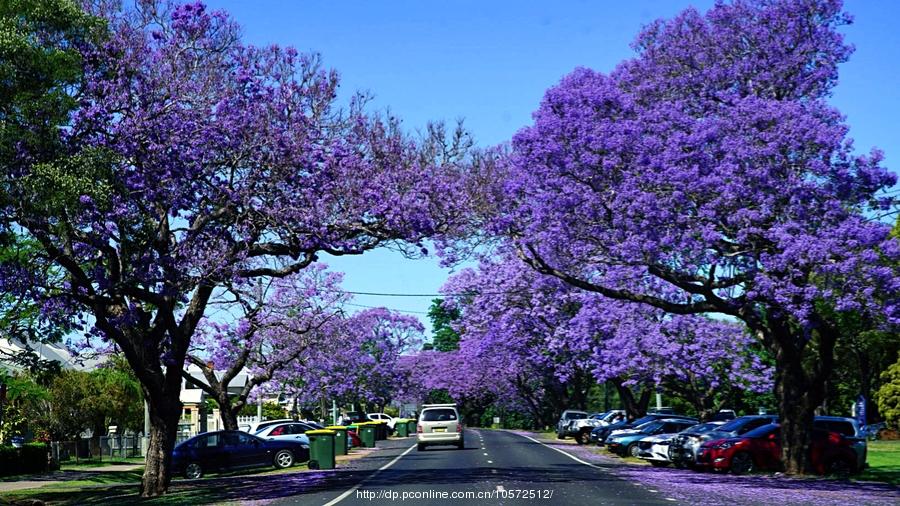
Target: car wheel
(193, 471)
(741, 463)
(560, 435)
(679, 464)
(461, 445)
(632, 450)
(420, 447)
(839, 467)
(284, 458)
(581, 437)
(659, 463)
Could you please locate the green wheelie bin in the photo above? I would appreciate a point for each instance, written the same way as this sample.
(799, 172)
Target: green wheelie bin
(401, 427)
(411, 427)
(321, 449)
(366, 432)
(340, 439)
(381, 430)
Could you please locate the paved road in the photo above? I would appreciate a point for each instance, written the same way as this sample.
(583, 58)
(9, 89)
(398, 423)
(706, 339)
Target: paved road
(494, 468)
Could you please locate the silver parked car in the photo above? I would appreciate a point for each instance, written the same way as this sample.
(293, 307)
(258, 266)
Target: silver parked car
(439, 424)
(567, 416)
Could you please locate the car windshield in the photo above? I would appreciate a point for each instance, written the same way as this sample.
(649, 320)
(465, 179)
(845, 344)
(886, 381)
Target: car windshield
(438, 415)
(574, 415)
(650, 426)
(764, 431)
(641, 421)
(736, 424)
(703, 427)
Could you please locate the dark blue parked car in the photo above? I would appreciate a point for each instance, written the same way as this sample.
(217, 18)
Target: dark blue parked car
(233, 449)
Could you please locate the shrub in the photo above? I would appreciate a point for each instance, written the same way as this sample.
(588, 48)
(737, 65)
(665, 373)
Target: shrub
(888, 396)
(31, 458)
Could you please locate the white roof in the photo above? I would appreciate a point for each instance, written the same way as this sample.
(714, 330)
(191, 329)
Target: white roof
(54, 352)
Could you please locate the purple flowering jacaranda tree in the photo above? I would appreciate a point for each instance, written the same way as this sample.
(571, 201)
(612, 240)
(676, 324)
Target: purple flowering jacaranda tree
(360, 363)
(199, 162)
(279, 327)
(712, 162)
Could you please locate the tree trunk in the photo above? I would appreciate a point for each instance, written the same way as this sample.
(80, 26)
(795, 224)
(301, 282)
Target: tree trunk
(797, 413)
(164, 416)
(634, 408)
(800, 390)
(228, 413)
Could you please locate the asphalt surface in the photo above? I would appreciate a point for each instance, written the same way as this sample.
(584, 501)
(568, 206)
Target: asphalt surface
(496, 467)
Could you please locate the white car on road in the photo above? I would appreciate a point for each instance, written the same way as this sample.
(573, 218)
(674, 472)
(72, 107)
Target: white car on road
(439, 424)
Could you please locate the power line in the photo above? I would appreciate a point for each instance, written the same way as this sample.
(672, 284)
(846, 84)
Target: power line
(389, 308)
(379, 294)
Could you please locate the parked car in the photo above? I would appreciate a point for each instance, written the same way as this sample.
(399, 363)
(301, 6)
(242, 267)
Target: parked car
(580, 428)
(439, 424)
(255, 427)
(852, 432)
(564, 419)
(760, 448)
(352, 417)
(599, 434)
(684, 448)
(610, 417)
(353, 440)
(626, 443)
(232, 449)
(656, 449)
(287, 431)
(724, 415)
(382, 417)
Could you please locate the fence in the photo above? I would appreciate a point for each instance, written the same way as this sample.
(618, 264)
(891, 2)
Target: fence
(102, 448)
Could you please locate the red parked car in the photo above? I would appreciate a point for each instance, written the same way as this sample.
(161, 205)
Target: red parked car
(760, 449)
(355, 442)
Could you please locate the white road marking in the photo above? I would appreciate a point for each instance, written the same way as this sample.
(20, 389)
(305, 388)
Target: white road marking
(485, 453)
(567, 454)
(651, 490)
(382, 468)
(490, 462)
(670, 499)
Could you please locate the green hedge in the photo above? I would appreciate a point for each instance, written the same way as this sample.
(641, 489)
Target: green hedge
(31, 458)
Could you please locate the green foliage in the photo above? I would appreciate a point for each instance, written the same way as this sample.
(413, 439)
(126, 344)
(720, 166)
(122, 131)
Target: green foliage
(445, 338)
(270, 410)
(109, 395)
(31, 458)
(39, 66)
(888, 396)
(24, 407)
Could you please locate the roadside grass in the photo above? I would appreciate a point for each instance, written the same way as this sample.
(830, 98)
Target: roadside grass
(884, 463)
(86, 464)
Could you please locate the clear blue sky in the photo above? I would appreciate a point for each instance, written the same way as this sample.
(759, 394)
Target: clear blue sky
(490, 62)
